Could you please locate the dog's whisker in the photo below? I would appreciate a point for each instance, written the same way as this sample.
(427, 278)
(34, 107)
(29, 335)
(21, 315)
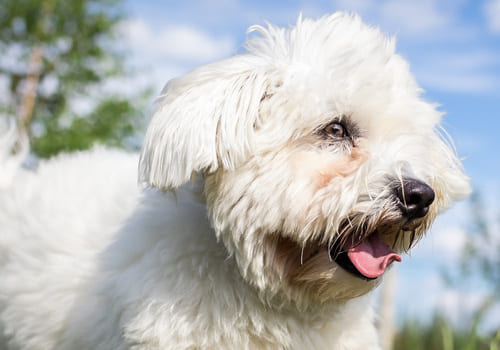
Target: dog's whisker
(302, 254)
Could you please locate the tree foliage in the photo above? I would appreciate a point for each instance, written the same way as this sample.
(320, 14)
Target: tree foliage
(111, 123)
(54, 53)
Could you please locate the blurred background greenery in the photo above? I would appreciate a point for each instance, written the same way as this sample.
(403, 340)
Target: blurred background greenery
(476, 268)
(56, 54)
(56, 60)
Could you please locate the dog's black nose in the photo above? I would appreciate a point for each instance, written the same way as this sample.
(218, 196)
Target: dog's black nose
(415, 197)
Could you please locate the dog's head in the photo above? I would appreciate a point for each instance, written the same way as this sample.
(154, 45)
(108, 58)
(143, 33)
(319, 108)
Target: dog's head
(321, 161)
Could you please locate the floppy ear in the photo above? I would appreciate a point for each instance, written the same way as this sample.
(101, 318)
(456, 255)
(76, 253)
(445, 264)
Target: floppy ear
(204, 120)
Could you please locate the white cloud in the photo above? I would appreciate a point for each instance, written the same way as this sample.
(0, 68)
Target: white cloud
(492, 14)
(175, 43)
(149, 77)
(406, 17)
(359, 6)
(446, 239)
(158, 54)
(456, 304)
(459, 82)
(418, 291)
(459, 71)
(460, 307)
(415, 17)
(449, 242)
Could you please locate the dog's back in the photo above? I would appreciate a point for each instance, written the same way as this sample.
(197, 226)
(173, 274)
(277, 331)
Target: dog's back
(54, 221)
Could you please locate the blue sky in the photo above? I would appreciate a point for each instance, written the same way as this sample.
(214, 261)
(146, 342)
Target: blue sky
(453, 47)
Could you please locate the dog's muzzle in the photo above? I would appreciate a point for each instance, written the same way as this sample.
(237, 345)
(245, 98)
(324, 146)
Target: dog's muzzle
(370, 257)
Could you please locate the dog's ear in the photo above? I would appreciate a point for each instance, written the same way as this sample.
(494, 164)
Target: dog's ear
(204, 120)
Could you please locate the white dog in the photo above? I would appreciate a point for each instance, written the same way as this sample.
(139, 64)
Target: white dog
(314, 162)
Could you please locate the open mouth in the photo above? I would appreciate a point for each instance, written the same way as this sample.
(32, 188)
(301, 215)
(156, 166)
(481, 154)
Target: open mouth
(367, 260)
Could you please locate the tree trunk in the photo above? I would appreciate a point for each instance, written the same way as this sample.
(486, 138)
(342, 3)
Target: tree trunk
(29, 94)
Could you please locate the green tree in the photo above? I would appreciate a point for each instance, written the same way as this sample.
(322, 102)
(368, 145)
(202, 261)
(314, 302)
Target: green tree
(53, 53)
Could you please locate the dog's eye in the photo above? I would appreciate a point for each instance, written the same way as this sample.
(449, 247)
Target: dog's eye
(336, 130)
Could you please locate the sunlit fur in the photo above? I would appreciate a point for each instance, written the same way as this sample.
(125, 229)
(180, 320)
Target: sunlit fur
(234, 246)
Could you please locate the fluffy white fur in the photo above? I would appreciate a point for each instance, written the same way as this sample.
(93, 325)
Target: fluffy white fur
(238, 258)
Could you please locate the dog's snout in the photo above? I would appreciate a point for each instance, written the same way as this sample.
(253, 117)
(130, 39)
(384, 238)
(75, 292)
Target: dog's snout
(415, 198)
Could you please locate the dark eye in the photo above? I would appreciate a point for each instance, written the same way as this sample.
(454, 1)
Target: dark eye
(336, 130)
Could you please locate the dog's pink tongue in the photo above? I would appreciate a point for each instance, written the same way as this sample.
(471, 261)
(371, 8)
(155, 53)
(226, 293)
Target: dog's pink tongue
(372, 256)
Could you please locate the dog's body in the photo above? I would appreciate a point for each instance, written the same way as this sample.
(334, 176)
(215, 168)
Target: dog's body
(314, 152)
(165, 283)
